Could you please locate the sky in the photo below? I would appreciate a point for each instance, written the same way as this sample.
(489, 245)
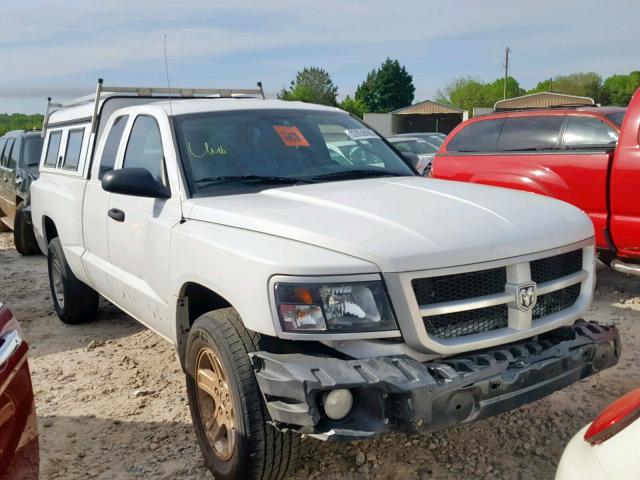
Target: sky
(59, 48)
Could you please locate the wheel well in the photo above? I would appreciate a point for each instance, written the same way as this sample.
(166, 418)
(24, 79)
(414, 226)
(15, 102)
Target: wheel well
(50, 230)
(193, 301)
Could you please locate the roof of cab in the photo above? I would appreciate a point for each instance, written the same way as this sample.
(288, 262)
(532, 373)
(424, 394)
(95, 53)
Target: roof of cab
(192, 105)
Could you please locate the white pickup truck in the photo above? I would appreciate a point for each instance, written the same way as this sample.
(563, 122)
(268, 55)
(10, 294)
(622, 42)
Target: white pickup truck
(307, 293)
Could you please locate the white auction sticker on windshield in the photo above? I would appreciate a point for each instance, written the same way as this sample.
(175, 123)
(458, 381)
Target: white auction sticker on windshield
(360, 133)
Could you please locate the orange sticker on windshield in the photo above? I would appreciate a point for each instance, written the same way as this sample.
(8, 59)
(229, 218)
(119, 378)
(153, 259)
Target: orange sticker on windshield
(291, 136)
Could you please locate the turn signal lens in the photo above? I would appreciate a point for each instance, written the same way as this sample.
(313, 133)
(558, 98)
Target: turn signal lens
(620, 414)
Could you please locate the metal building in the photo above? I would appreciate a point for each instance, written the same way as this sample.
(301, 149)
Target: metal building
(542, 99)
(426, 116)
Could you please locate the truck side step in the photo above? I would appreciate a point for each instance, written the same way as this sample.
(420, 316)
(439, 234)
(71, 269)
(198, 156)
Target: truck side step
(628, 268)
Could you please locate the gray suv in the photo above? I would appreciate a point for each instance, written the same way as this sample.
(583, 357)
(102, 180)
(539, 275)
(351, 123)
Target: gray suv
(19, 158)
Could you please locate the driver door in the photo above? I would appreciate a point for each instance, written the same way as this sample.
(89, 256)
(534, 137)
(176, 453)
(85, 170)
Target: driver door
(139, 229)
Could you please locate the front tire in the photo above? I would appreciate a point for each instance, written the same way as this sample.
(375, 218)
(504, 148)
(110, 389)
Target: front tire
(74, 301)
(23, 236)
(229, 416)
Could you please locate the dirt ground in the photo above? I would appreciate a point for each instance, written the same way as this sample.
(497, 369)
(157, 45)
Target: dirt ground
(112, 404)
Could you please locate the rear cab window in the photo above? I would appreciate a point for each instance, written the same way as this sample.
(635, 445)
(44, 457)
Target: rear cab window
(53, 148)
(73, 149)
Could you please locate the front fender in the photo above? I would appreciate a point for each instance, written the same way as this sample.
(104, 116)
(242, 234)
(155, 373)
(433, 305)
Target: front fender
(237, 264)
(541, 181)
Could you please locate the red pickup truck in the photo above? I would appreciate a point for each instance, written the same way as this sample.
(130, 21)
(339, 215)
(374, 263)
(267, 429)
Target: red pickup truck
(587, 156)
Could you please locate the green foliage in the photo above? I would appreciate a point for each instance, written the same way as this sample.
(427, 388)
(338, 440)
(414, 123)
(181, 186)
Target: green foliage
(19, 121)
(620, 88)
(312, 85)
(468, 92)
(586, 84)
(353, 106)
(386, 89)
(583, 84)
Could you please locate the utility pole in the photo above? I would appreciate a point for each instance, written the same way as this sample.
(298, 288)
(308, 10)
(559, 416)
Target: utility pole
(506, 71)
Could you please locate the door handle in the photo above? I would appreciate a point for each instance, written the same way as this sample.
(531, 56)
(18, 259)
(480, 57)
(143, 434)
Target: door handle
(117, 215)
(18, 180)
(10, 343)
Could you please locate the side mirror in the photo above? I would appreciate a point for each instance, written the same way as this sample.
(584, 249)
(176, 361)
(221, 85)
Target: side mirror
(136, 182)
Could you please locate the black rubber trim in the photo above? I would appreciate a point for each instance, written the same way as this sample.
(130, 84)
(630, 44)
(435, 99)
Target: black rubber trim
(400, 393)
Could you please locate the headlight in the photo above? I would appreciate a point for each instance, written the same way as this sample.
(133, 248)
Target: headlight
(334, 308)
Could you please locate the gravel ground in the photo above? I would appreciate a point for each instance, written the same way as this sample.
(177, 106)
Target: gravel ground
(112, 404)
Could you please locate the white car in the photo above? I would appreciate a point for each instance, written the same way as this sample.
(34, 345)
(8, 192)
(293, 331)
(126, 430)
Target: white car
(306, 294)
(607, 448)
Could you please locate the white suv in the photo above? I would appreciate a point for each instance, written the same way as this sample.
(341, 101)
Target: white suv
(307, 293)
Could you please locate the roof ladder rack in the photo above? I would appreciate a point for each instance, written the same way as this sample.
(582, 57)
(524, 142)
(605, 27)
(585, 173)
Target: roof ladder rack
(103, 91)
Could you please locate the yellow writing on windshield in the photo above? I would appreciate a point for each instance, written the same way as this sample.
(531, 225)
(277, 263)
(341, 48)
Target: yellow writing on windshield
(207, 150)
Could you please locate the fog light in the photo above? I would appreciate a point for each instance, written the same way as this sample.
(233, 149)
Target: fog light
(338, 403)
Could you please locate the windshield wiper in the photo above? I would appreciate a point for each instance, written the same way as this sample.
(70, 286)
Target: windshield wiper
(255, 179)
(357, 174)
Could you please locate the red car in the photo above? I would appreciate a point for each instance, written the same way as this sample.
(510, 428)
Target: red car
(587, 156)
(19, 459)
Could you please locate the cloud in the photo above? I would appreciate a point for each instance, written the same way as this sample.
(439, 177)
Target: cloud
(63, 45)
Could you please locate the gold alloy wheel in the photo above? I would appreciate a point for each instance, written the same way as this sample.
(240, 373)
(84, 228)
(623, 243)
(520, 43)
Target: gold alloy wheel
(215, 405)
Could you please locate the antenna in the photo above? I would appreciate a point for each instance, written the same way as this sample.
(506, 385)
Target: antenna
(166, 69)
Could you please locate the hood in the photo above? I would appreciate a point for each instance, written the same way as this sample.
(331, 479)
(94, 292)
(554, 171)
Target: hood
(403, 224)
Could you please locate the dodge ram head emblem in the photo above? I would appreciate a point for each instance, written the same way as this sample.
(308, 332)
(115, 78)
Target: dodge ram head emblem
(526, 296)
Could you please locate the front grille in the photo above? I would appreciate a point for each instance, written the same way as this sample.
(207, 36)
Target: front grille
(449, 303)
(558, 266)
(459, 324)
(557, 301)
(459, 286)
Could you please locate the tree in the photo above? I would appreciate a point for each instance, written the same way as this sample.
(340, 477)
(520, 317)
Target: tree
(386, 89)
(19, 121)
(620, 88)
(469, 92)
(353, 106)
(312, 85)
(495, 89)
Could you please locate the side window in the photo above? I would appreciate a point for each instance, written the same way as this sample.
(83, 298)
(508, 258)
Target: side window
(144, 148)
(4, 160)
(74, 147)
(530, 133)
(480, 136)
(52, 149)
(588, 131)
(108, 160)
(3, 142)
(15, 153)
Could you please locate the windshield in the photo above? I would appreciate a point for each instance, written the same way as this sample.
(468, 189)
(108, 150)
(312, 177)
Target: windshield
(247, 148)
(418, 147)
(617, 117)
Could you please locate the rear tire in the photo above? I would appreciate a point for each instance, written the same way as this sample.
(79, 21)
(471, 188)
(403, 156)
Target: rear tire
(74, 301)
(23, 235)
(222, 389)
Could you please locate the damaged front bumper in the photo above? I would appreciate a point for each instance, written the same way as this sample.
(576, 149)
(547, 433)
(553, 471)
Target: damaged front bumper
(400, 393)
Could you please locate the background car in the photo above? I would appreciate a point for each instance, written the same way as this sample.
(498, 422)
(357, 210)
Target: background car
(586, 156)
(606, 449)
(19, 158)
(423, 149)
(19, 458)
(436, 138)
